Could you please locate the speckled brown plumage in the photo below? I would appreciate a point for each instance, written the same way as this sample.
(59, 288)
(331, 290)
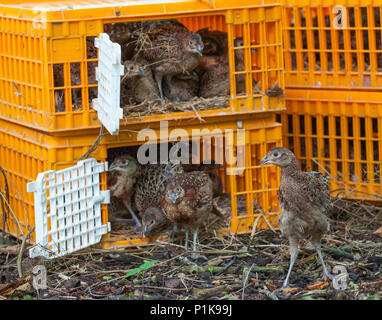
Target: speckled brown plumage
(148, 193)
(215, 42)
(304, 199)
(122, 176)
(138, 84)
(187, 201)
(120, 33)
(183, 87)
(217, 182)
(172, 50)
(215, 78)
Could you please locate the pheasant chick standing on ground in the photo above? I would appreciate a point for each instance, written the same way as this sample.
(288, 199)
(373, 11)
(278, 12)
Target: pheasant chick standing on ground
(149, 189)
(187, 201)
(304, 199)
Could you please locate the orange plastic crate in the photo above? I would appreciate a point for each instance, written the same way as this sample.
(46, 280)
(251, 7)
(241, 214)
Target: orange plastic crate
(25, 152)
(39, 39)
(320, 55)
(338, 133)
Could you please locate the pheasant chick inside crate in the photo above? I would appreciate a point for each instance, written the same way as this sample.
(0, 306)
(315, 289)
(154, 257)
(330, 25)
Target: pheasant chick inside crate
(71, 201)
(180, 65)
(169, 66)
(144, 196)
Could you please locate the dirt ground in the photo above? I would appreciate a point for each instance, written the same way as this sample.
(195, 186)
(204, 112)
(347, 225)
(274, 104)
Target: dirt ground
(237, 268)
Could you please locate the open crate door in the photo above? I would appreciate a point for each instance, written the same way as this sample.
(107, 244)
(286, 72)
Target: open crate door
(68, 209)
(108, 75)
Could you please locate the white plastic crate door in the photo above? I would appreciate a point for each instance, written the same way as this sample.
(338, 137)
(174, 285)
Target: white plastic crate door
(108, 75)
(68, 209)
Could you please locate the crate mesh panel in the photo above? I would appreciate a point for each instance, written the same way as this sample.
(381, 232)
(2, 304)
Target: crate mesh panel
(68, 209)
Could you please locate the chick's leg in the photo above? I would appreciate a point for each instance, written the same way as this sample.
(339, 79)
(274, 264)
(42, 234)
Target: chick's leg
(158, 79)
(195, 234)
(186, 240)
(195, 255)
(185, 259)
(138, 224)
(293, 244)
(317, 245)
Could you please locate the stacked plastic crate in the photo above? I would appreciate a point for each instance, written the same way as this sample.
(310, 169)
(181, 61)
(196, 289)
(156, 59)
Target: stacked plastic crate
(50, 135)
(333, 72)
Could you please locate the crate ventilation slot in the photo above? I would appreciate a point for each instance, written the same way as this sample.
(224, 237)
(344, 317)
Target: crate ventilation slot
(68, 209)
(108, 75)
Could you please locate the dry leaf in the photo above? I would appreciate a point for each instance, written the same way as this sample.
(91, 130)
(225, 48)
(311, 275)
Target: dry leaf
(291, 290)
(24, 287)
(318, 285)
(8, 288)
(14, 250)
(172, 283)
(379, 231)
(333, 242)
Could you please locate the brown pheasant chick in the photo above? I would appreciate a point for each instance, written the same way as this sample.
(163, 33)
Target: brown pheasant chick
(172, 50)
(138, 82)
(148, 194)
(215, 78)
(187, 201)
(217, 182)
(124, 172)
(120, 33)
(183, 87)
(215, 42)
(304, 199)
(153, 219)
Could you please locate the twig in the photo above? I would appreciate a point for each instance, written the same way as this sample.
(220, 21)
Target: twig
(245, 280)
(230, 263)
(268, 293)
(95, 144)
(20, 256)
(161, 288)
(13, 214)
(197, 114)
(21, 199)
(334, 252)
(5, 208)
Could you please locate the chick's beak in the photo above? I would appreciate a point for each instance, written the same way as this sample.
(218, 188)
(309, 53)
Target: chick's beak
(173, 197)
(113, 166)
(264, 161)
(199, 48)
(144, 231)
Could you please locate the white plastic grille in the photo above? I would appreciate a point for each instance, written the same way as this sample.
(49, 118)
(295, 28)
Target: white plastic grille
(108, 75)
(68, 209)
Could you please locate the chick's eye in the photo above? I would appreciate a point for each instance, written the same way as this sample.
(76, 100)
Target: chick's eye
(276, 154)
